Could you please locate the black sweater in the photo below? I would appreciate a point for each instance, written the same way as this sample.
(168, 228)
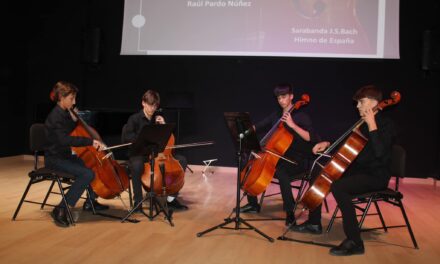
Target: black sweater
(59, 125)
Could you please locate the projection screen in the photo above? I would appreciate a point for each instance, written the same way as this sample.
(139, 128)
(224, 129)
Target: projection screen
(285, 28)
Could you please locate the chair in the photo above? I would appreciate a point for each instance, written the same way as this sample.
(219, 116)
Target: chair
(37, 141)
(391, 196)
(125, 165)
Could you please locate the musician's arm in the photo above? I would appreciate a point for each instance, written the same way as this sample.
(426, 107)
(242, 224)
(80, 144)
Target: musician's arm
(302, 125)
(130, 130)
(59, 133)
(159, 119)
(266, 122)
(320, 147)
(382, 138)
(302, 132)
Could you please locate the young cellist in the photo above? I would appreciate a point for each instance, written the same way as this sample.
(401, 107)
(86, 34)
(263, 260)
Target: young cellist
(299, 125)
(147, 116)
(368, 172)
(59, 155)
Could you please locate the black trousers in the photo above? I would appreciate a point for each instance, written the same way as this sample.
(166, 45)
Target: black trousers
(83, 176)
(285, 173)
(351, 183)
(136, 165)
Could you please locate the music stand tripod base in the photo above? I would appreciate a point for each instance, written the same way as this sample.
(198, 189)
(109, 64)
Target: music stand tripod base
(154, 205)
(153, 201)
(237, 221)
(94, 212)
(152, 140)
(238, 123)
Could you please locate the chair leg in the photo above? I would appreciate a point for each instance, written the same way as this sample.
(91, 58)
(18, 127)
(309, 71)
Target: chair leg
(364, 214)
(384, 226)
(22, 199)
(47, 195)
(332, 220)
(89, 200)
(69, 212)
(407, 224)
(302, 188)
(130, 195)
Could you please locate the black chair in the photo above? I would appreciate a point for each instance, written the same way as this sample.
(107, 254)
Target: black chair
(391, 196)
(125, 165)
(37, 141)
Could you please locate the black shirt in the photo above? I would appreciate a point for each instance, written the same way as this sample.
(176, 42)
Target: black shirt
(376, 156)
(300, 148)
(59, 124)
(135, 124)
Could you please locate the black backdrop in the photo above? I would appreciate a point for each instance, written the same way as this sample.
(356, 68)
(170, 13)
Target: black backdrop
(57, 40)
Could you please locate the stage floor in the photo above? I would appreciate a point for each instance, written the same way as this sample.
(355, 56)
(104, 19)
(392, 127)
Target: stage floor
(34, 238)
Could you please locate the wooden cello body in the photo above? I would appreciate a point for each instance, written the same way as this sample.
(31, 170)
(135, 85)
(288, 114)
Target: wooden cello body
(169, 176)
(111, 179)
(258, 172)
(339, 162)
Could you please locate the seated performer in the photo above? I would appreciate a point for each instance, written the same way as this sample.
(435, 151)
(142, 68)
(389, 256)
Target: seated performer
(369, 172)
(59, 155)
(299, 125)
(135, 123)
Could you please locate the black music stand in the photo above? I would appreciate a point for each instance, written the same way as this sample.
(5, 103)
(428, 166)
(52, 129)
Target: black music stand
(151, 140)
(245, 139)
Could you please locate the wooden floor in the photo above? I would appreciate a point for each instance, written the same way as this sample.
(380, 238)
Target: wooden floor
(33, 237)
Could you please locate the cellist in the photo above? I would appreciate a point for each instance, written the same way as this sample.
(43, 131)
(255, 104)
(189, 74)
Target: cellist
(300, 125)
(59, 155)
(368, 172)
(147, 116)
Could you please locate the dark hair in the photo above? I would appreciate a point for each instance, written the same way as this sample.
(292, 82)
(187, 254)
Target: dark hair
(368, 91)
(283, 88)
(151, 97)
(62, 89)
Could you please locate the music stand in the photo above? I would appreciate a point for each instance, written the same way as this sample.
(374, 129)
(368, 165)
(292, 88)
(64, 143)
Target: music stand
(151, 140)
(245, 139)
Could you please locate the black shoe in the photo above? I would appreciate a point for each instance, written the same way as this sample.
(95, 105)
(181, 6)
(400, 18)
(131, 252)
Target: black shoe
(138, 210)
(290, 219)
(347, 248)
(59, 215)
(250, 208)
(307, 227)
(176, 205)
(98, 207)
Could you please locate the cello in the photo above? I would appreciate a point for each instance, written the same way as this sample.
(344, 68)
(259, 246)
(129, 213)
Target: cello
(258, 172)
(111, 179)
(348, 151)
(169, 174)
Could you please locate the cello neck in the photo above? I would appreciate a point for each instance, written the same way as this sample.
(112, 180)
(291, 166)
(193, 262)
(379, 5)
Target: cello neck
(92, 133)
(395, 98)
(305, 99)
(345, 135)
